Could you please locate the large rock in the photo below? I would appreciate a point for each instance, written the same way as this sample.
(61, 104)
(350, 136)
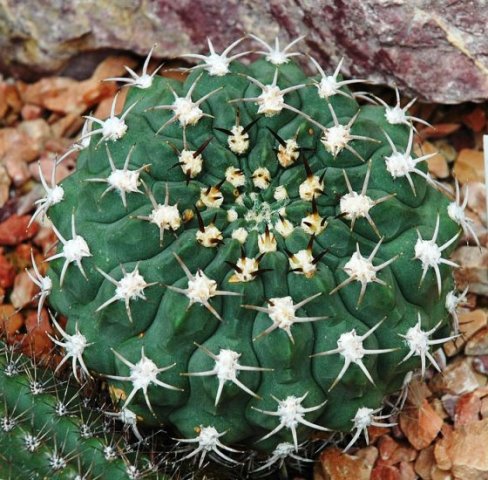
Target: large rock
(434, 49)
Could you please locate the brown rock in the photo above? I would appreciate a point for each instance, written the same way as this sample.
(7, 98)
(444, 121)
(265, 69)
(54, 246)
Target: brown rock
(18, 171)
(9, 99)
(438, 474)
(7, 272)
(458, 378)
(439, 130)
(449, 403)
(38, 132)
(484, 408)
(10, 320)
(467, 409)
(476, 119)
(480, 364)
(438, 407)
(17, 145)
(14, 230)
(474, 271)
(420, 424)
(5, 183)
(437, 164)
(469, 323)
(469, 166)
(392, 452)
(23, 291)
(441, 449)
(424, 463)
(337, 465)
(386, 447)
(477, 203)
(407, 471)
(66, 124)
(40, 92)
(468, 451)
(31, 112)
(36, 342)
(478, 343)
(385, 472)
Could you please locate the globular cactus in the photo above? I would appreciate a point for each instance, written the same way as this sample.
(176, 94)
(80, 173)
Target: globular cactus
(251, 256)
(48, 431)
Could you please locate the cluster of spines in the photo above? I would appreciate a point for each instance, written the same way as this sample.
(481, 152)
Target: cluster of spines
(48, 429)
(201, 288)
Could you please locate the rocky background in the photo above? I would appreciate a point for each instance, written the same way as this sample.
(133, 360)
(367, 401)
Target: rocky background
(434, 49)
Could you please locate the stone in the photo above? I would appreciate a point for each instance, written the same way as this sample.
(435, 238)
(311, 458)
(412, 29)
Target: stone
(438, 474)
(484, 408)
(392, 452)
(7, 272)
(24, 290)
(420, 424)
(336, 465)
(38, 132)
(434, 49)
(15, 230)
(407, 471)
(437, 164)
(467, 409)
(10, 320)
(424, 463)
(385, 472)
(469, 166)
(477, 202)
(468, 451)
(480, 364)
(478, 343)
(476, 119)
(17, 171)
(458, 378)
(469, 323)
(474, 271)
(5, 183)
(441, 449)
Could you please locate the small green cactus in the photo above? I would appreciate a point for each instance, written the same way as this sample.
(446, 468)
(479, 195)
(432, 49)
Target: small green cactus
(251, 255)
(47, 430)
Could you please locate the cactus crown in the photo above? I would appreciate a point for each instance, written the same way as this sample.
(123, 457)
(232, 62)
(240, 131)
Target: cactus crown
(251, 255)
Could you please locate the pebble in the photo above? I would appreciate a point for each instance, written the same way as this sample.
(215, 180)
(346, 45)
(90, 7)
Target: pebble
(458, 378)
(337, 465)
(10, 320)
(477, 202)
(14, 230)
(468, 451)
(469, 323)
(469, 166)
(420, 424)
(24, 290)
(18, 171)
(5, 183)
(478, 343)
(480, 364)
(7, 272)
(437, 164)
(424, 462)
(474, 271)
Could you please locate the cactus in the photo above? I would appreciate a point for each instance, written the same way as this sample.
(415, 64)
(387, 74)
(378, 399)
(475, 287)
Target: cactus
(47, 429)
(251, 255)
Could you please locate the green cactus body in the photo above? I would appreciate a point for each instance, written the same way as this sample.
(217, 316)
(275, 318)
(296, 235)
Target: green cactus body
(250, 255)
(46, 431)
